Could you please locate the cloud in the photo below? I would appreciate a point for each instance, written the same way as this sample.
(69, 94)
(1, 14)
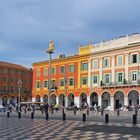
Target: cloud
(26, 26)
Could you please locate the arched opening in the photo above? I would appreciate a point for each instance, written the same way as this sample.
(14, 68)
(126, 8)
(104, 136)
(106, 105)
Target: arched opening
(53, 99)
(83, 99)
(119, 99)
(94, 99)
(12, 100)
(105, 100)
(45, 98)
(133, 98)
(38, 98)
(62, 99)
(71, 99)
(4, 101)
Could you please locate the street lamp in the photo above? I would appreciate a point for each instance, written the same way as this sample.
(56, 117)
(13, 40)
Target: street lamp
(19, 92)
(50, 50)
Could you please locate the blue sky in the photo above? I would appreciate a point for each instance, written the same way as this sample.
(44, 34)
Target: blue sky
(26, 26)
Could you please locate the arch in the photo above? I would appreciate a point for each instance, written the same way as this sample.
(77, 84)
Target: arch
(45, 98)
(93, 98)
(133, 98)
(62, 99)
(4, 100)
(12, 100)
(105, 99)
(118, 99)
(83, 98)
(53, 99)
(70, 99)
(38, 99)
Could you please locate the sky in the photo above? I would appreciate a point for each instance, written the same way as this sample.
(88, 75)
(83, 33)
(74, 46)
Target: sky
(27, 26)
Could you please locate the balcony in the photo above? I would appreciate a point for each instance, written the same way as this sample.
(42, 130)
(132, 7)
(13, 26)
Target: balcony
(123, 84)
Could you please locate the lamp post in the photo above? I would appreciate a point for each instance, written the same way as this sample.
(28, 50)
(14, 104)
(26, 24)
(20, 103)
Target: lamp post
(19, 92)
(50, 50)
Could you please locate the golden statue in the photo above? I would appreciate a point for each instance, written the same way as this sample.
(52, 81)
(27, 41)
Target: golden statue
(51, 47)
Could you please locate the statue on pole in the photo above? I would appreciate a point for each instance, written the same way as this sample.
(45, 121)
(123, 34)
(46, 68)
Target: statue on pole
(51, 47)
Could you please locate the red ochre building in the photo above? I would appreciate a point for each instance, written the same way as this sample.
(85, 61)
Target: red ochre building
(10, 74)
(106, 74)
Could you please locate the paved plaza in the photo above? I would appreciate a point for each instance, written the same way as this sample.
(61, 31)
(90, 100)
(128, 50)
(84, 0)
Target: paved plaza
(25, 128)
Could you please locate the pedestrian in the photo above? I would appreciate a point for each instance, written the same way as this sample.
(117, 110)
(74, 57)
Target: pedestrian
(46, 107)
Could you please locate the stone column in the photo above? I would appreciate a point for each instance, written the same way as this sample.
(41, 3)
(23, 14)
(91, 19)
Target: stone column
(77, 101)
(112, 103)
(33, 99)
(57, 100)
(126, 100)
(66, 99)
(100, 101)
(41, 99)
(88, 100)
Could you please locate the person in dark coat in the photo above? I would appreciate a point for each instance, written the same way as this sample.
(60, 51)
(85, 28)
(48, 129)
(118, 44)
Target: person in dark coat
(46, 107)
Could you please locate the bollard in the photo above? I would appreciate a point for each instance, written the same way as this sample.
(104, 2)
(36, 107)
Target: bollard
(8, 114)
(42, 111)
(19, 114)
(52, 111)
(118, 112)
(134, 119)
(32, 115)
(47, 115)
(106, 118)
(102, 112)
(84, 117)
(64, 116)
(25, 110)
(74, 111)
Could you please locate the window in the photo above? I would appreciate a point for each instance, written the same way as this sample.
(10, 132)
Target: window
(5, 71)
(52, 71)
(134, 76)
(45, 71)
(53, 83)
(84, 80)
(95, 64)
(107, 78)
(4, 88)
(38, 72)
(12, 79)
(26, 81)
(45, 84)
(134, 58)
(12, 89)
(71, 68)
(71, 81)
(25, 90)
(120, 77)
(84, 66)
(4, 79)
(95, 79)
(37, 84)
(120, 61)
(106, 63)
(62, 69)
(12, 71)
(62, 82)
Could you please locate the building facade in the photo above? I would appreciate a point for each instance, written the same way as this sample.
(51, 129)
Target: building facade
(10, 74)
(106, 74)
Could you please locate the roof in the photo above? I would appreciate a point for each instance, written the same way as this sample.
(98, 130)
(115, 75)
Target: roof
(11, 65)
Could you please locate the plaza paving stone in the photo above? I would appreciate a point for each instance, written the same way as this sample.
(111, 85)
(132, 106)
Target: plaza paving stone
(26, 128)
